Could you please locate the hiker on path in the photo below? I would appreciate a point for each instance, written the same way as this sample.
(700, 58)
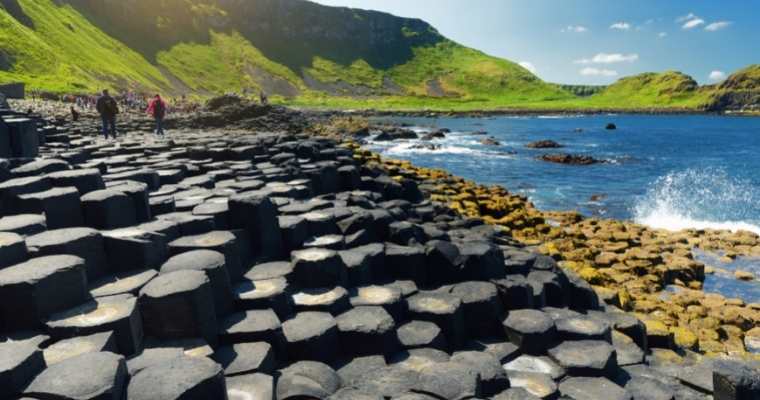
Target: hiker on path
(157, 108)
(263, 98)
(74, 114)
(107, 108)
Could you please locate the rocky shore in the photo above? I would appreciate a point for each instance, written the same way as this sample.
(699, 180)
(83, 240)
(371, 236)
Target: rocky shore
(266, 263)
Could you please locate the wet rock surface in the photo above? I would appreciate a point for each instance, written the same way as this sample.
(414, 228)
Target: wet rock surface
(229, 264)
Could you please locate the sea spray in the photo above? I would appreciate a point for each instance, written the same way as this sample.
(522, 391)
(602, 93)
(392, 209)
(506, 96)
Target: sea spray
(700, 198)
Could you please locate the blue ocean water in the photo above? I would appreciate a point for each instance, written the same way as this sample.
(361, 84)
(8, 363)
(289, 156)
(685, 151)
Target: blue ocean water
(666, 171)
(672, 172)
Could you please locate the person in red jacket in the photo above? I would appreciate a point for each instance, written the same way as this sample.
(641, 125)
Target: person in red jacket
(157, 108)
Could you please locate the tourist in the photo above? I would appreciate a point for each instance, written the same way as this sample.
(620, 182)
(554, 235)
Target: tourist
(74, 114)
(107, 108)
(157, 108)
(263, 98)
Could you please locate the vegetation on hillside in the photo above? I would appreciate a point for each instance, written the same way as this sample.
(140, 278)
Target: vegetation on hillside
(355, 59)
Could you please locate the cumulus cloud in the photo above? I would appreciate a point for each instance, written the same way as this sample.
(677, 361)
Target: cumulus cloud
(528, 65)
(662, 34)
(718, 25)
(622, 26)
(575, 29)
(608, 58)
(690, 21)
(686, 17)
(590, 71)
(717, 76)
(693, 23)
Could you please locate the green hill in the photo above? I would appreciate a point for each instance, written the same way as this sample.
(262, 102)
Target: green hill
(210, 47)
(298, 52)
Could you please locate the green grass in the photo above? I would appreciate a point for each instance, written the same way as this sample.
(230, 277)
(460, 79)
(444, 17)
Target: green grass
(66, 53)
(222, 66)
(359, 73)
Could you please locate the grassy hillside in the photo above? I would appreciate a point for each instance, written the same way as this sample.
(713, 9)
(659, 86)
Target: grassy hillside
(300, 53)
(64, 52)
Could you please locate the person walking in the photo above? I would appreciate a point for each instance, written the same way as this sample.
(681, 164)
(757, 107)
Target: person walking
(157, 108)
(107, 108)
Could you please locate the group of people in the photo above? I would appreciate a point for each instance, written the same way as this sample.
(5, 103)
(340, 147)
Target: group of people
(108, 108)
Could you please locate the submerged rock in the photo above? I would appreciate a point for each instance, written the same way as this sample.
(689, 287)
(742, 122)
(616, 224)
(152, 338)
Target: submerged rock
(570, 159)
(544, 144)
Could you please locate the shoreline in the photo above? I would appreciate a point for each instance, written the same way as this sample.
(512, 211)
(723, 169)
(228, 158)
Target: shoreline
(652, 273)
(515, 112)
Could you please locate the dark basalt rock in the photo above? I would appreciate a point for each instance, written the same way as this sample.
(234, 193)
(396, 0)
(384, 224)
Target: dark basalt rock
(34, 290)
(543, 144)
(532, 331)
(19, 364)
(569, 159)
(311, 336)
(493, 378)
(100, 375)
(367, 330)
(214, 265)
(585, 358)
(246, 358)
(734, 380)
(443, 310)
(178, 305)
(192, 378)
(118, 314)
(610, 127)
(592, 389)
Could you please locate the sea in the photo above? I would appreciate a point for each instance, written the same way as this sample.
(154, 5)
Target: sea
(664, 171)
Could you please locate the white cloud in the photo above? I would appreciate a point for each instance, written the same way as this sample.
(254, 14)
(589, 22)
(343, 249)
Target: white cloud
(662, 34)
(608, 58)
(690, 21)
(575, 29)
(718, 25)
(686, 17)
(693, 23)
(589, 71)
(622, 26)
(528, 65)
(717, 75)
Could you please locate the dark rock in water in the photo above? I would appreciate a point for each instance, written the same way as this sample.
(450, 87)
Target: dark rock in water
(489, 141)
(395, 134)
(439, 134)
(479, 133)
(578, 130)
(426, 146)
(569, 159)
(610, 127)
(543, 144)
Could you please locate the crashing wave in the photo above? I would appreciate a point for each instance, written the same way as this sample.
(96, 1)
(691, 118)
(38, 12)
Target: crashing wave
(707, 198)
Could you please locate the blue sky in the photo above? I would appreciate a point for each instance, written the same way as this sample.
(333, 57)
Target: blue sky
(596, 41)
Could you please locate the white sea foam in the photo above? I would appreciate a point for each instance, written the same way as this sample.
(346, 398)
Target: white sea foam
(701, 199)
(412, 148)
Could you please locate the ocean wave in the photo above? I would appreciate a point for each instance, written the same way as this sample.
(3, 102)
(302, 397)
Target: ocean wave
(415, 148)
(707, 198)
